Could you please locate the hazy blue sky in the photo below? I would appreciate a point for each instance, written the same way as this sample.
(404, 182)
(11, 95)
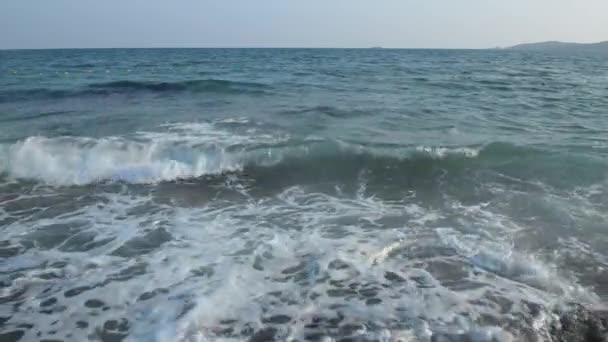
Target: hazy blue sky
(298, 23)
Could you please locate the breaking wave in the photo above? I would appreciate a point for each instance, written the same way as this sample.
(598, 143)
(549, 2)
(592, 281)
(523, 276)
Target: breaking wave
(188, 151)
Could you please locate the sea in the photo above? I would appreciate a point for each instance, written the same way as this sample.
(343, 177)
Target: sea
(300, 194)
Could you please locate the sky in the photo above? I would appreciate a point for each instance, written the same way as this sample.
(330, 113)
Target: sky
(298, 23)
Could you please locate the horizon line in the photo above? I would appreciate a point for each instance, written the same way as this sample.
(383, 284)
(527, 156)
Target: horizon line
(242, 47)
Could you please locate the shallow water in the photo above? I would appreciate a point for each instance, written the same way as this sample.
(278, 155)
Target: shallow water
(204, 195)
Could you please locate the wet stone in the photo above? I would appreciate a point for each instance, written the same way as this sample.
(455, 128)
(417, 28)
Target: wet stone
(335, 321)
(94, 303)
(144, 244)
(373, 301)
(50, 275)
(314, 336)
(465, 285)
(76, 291)
(264, 335)
(580, 325)
(372, 292)
(107, 336)
(322, 279)
(5, 283)
(446, 271)
(337, 306)
(534, 308)
(12, 336)
(317, 319)
(294, 269)
(121, 325)
(351, 329)
(277, 319)
(290, 302)
(113, 331)
(336, 283)
(128, 273)
(503, 303)
(205, 271)
(247, 330)
(488, 320)
(151, 294)
(314, 296)
(341, 292)
(17, 295)
(48, 302)
(338, 265)
(394, 277)
(422, 282)
(226, 332)
(257, 264)
(349, 339)
(7, 252)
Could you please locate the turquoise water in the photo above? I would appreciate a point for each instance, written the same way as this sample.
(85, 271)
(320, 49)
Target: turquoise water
(209, 194)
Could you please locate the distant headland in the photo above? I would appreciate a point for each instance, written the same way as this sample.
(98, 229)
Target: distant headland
(556, 46)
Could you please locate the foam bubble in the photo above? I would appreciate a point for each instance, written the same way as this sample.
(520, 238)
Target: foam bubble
(443, 152)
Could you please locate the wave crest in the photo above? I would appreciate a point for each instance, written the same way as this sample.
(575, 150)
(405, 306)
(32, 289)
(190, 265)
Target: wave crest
(68, 161)
(156, 157)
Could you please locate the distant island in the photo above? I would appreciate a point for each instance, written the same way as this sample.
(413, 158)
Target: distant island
(555, 46)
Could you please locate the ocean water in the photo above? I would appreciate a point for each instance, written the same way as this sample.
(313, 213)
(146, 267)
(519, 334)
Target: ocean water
(287, 194)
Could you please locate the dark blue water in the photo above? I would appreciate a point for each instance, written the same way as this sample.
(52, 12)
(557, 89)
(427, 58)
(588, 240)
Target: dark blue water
(209, 194)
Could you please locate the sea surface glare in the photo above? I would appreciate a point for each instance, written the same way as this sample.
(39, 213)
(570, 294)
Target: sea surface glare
(294, 194)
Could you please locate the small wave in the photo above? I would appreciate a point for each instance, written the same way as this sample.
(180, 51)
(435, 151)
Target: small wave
(207, 85)
(35, 93)
(130, 86)
(326, 110)
(37, 115)
(74, 66)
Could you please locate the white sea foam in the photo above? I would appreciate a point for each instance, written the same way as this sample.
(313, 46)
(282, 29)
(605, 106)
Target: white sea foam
(81, 161)
(442, 152)
(181, 151)
(247, 260)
